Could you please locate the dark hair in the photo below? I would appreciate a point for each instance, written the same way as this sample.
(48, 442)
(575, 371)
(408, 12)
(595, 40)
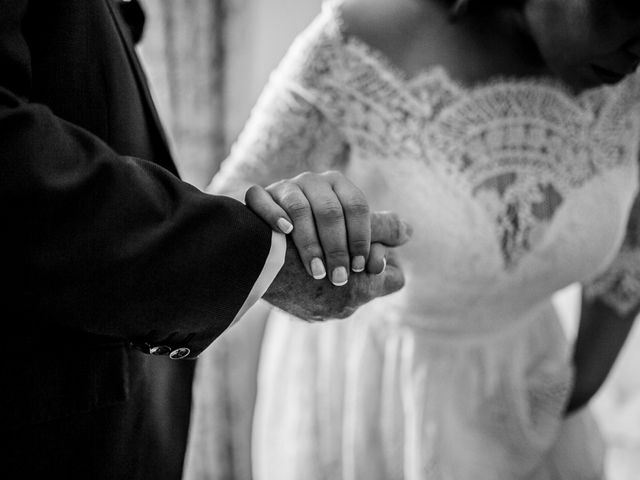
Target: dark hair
(459, 8)
(630, 8)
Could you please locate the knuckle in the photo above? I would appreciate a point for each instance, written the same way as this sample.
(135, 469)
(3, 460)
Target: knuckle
(310, 249)
(360, 245)
(295, 203)
(333, 174)
(304, 176)
(358, 207)
(297, 209)
(330, 211)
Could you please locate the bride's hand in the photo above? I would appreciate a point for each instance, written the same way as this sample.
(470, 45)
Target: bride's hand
(329, 221)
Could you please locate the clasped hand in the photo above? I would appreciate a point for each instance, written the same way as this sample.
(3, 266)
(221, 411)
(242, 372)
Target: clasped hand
(333, 238)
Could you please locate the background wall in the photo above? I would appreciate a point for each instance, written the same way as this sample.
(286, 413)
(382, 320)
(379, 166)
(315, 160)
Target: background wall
(207, 61)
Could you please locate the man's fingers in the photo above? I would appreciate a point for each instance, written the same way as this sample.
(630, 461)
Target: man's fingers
(377, 261)
(383, 277)
(389, 229)
(263, 205)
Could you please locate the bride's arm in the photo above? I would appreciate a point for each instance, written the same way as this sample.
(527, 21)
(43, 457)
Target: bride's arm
(610, 306)
(284, 136)
(601, 335)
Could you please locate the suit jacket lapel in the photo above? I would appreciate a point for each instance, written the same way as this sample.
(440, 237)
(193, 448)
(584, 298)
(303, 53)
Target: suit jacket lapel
(141, 79)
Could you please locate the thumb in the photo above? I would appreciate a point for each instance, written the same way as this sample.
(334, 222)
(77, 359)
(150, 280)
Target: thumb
(387, 228)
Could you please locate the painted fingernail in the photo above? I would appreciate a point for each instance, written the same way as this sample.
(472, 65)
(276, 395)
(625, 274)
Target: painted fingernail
(317, 269)
(357, 264)
(384, 265)
(339, 276)
(284, 225)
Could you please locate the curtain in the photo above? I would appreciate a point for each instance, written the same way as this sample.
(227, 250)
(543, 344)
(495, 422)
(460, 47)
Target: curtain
(183, 52)
(206, 62)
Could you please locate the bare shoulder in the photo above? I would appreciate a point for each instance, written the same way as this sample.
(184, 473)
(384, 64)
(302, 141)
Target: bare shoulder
(417, 34)
(393, 28)
(386, 24)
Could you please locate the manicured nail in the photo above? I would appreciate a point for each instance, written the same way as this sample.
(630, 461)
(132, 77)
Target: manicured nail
(357, 264)
(317, 269)
(339, 276)
(384, 265)
(284, 225)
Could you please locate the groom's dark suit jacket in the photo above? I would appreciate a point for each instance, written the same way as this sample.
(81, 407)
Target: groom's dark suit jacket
(103, 252)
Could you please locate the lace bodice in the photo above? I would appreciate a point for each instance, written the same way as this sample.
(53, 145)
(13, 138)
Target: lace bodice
(515, 188)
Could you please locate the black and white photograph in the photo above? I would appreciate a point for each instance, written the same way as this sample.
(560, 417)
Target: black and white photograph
(320, 239)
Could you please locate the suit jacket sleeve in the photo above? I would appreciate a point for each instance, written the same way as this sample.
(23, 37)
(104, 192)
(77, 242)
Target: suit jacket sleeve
(107, 244)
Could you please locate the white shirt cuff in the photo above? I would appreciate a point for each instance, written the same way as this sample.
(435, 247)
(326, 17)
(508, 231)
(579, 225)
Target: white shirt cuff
(273, 264)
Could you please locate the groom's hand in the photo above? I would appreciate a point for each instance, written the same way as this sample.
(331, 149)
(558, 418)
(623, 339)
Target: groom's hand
(295, 292)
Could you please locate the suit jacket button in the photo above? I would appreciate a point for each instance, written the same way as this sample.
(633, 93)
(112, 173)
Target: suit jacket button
(160, 350)
(179, 353)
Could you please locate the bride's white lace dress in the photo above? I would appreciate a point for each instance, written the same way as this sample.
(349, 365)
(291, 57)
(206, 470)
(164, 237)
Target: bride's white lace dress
(515, 188)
